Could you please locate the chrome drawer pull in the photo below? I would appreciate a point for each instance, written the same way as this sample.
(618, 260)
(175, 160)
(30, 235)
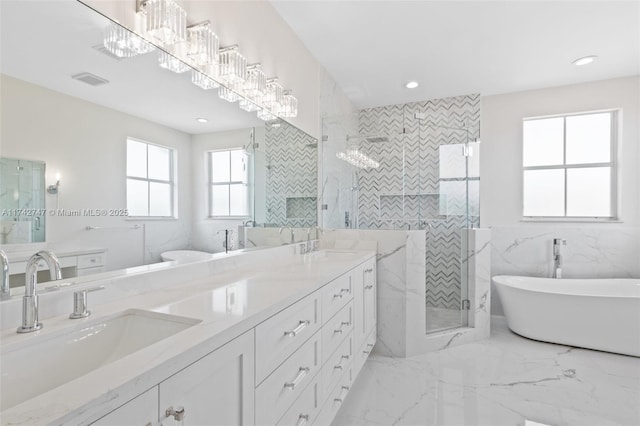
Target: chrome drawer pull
(368, 287)
(370, 346)
(177, 414)
(342, 324)
(339, 366)
(298, 329)
(302, 420)
(368, 270)
(342, 291)
(302, 373)
(343, 395)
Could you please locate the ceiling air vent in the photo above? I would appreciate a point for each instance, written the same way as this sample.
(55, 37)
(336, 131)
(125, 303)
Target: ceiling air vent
(100, 48)
(91, 79)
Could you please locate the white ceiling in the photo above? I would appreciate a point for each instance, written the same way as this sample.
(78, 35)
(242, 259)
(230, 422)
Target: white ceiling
(372, 48)
(46, 42)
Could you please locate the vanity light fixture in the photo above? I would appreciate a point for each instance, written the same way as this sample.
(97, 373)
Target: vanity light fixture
(203, 81)
(203, 44)
(165, 19)
(202, 120)
(171, 63)
(233, 66)
(584, 60)
(53, 189)
(290, 105)
(266, 115)
(412, 85)
(273, 100)
(125, 44)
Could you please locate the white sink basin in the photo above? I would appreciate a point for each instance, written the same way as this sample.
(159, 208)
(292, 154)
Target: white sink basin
(44, 362)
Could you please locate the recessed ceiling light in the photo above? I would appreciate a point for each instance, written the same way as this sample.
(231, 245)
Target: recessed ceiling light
(584, 61)
(411, 85)
(202, 120)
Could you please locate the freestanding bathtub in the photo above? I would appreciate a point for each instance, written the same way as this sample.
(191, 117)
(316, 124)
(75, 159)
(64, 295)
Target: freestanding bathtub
(602, 314)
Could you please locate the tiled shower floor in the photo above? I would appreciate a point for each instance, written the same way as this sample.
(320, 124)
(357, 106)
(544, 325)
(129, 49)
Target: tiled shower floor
(442, 319)
(504, 380)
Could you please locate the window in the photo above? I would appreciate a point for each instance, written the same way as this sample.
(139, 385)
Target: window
(150, 179)
(570, 166)
(228, 189)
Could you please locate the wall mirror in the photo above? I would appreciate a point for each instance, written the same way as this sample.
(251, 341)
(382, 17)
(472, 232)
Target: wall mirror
(69, 103)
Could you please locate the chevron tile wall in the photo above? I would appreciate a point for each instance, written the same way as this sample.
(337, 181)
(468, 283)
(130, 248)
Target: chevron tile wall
(292, 175)
(410, 186)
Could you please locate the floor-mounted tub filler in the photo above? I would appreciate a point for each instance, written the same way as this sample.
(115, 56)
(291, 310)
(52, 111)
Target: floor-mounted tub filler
(602, 314)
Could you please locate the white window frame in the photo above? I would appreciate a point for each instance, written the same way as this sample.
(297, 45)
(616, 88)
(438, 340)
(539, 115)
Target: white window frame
(613, 164)
(211, 184)
(172, 182)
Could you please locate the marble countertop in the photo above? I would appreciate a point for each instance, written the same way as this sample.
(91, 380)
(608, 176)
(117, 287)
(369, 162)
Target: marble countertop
(259, 294)
(22, 252)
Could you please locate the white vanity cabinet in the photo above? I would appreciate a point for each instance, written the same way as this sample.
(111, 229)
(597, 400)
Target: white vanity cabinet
(365, 307)
(293, 368)
(215, 390)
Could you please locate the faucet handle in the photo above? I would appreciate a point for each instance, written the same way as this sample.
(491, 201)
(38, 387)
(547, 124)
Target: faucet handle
(80, 302)
(559, 241)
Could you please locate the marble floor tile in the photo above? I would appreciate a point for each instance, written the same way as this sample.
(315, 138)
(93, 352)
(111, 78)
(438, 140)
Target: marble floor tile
(504, 380)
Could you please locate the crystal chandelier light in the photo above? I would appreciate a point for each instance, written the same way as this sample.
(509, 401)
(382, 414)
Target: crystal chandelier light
(274, 97)
(165, 19)
(289, 105)
(233, 66)
(356, 158)
(266, 115)
(228, 94)
(203, 44)
(203, 81)
(171, 63)
(123, 43)
(255, 88)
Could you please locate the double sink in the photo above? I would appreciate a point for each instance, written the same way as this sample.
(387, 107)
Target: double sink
(39, 363)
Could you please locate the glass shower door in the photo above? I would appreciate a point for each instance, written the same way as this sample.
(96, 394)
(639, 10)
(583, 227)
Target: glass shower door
(449, 193)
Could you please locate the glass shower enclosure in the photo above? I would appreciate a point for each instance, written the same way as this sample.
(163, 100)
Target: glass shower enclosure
(423, 175)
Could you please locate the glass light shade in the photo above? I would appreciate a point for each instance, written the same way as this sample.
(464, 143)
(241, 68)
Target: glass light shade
(228, 94)
(125, 44)
(274, 97)
(172, 63)
(166, 20)
(265, 115)
(248, 105)
(232, 65)
(255, 87)
(203, 81)
(203, 44)
(290, 105)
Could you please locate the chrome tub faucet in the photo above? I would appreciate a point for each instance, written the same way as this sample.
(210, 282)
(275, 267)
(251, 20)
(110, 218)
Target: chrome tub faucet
(4, 263)
(557, 256)
(30, 299)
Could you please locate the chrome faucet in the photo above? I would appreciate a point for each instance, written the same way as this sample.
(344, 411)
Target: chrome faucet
(292, 239)
(311, 247)
(30, 300)
(557, 256)
(6, 289)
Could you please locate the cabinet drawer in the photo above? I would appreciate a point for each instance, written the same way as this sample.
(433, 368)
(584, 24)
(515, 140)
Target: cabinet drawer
(306, 407)
(89, 271)
(363, 352)
(335, 330)
(335, 295)
(279, 336)
(91, 260)
(141, 410)
(278, 392)
(334, 400)
(337, 364)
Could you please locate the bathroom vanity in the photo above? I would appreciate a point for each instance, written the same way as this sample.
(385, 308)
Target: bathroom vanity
(279, 342)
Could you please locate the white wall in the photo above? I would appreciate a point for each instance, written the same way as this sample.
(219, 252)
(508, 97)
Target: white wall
(593, 249)
(208, 234)
(86, 143)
